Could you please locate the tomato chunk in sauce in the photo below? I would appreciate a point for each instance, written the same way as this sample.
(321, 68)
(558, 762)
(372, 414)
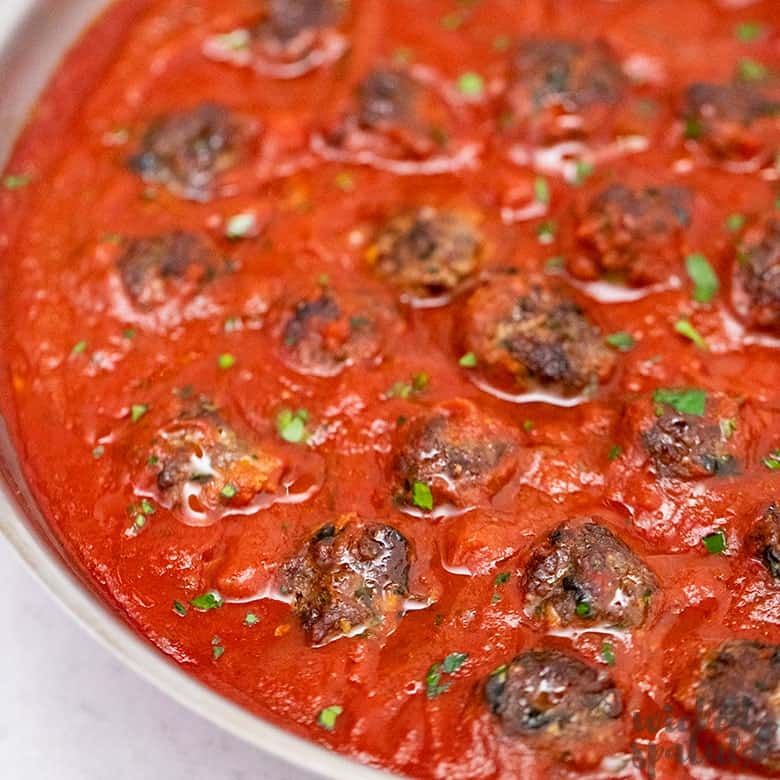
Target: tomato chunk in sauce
(409, 372)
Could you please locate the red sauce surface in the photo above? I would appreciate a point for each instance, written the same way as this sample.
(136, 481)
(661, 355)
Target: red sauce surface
(105, 375)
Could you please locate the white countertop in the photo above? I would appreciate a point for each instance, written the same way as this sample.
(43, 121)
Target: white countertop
(70, 711)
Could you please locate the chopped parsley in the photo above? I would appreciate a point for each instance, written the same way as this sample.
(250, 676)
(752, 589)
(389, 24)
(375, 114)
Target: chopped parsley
(216, 648)
(206, 601)
(541, 190)
(772, 461)
(240, 226)
(417, 384)
(469, 360)
(422, 496)
(291, 425)
(79, 348)
(140, 513)
(747, 32)
(705, 280)
(685, 328)
(621, 341)
(502, 578)
(328, 717)
(693, 128)
(682, 400)
(615, 452)
(128, 333)
(582, 609)
(16, 181)
(735, 222)
(715, 543)
(528, 425)
(229, 491)
(226, 361)
(250, 619)
(583, 171)
(471, 85)
(545, 233)
(434, 686)
(751, 70)
(137, 411)
(608, 653)
(728, 427)
(180, 609)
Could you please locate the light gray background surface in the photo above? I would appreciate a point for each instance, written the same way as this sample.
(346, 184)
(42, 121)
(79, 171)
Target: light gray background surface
(70, 711)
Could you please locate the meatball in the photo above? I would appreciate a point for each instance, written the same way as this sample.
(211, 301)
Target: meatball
(348, 579)
(731, 122)
(583, 573)
(735, 698)
(186, 151)
(386, 98)
(156, 269)
(288, 19)
(552, 77)
(427, 252)
(553, 699)
(637, 235)
(529, 331)
(758, 278)
(688, 446)
(324, 334)
(202, 465)
(764, 540)
(454, 454)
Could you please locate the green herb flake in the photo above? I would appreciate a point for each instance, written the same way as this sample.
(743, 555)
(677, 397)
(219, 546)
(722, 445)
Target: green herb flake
(502, 578)
(217, 649)
(344, 181)
(582, 609)
(98, 452)
(469, 360)
(79, 348)
(735, 222)
(728, 427)
(226, 361)
(682, 400)
(422, 496)
(685, 328)
(229, 491)
(751, 70)
(240, 226)
(147, 507)
(137, 411)
(453, 662)
(180, 609)
(528, 425)
(705, 280)
(554, 263)
(747, 32)
(471, 85)
(608, 653)
(693, 128)
(129, 333)
(621, 341)
(541, 190)
(715, 543)
(328, 717)
(16, 181)
(614, 452)
(583, 171)
(250, 619)
(207, 601)
(545, 233)
(434, 685)
(291, 425)
(772, 461)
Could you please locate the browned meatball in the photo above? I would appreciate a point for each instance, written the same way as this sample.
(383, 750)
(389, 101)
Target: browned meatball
(287, 19)
(734, 697)
(348, 578)
(427, 252)
(686, 446)
(156, 269)
(202, 464)
(454, 453)
(325, 333)
(554, 700)
(764, 540)
(757, 292)
(186, 151)
(731, 122)
(637, 235)
(530, 332)
(553, 77)
(583, 573)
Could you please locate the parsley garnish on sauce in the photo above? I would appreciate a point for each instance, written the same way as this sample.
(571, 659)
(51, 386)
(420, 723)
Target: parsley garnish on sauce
(608, 653)
(683, 401)
(328, 717)
(715, 543)
(137, 411)
(685, 328)
(471, 85)
(422, 496)
(621, 341)
(291, 425)
(434, 686)
(705, 280)
(772, 461)
(216, 648)
(469, 360)
(207, 601)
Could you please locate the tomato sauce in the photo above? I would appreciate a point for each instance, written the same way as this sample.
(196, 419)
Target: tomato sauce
(320, 318)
